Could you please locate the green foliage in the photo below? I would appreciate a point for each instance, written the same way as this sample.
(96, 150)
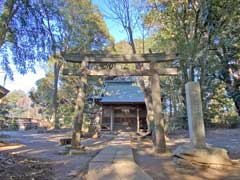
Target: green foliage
(123, 47)
(223, 23)
(220, 108)
(24, 38)
(15, 104)
(204, 34)
(42, 96)
(85, 29)
(31, 31)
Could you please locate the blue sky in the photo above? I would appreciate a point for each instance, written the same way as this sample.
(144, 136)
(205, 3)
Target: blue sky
(26, 82)
(115, 29)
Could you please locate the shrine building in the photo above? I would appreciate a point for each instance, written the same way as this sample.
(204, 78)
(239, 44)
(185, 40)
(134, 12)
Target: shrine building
(123, 107)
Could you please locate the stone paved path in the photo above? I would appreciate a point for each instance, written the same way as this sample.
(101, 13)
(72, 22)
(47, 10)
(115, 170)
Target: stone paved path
(116, 162)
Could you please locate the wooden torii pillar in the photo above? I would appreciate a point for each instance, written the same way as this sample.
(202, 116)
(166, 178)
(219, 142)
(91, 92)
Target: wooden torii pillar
(152, 59)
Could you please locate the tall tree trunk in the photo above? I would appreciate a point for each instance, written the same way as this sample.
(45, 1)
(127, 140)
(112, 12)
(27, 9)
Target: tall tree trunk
(79, 107)
(148, 102)
(57, 67)
(191, 73)
(132, 43)
(170, 105)
(174, 101)
(150, 114)
(237, 104)
(146, 90)
(203, 80)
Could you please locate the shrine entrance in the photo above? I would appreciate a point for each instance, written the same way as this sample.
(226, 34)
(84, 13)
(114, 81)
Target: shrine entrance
(126, 118)
(150, 65)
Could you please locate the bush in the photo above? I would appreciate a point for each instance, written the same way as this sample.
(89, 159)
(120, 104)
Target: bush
(180, 121)
(232, 121)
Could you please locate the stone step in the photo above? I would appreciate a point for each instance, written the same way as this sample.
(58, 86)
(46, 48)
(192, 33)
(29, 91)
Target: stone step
(124, 170)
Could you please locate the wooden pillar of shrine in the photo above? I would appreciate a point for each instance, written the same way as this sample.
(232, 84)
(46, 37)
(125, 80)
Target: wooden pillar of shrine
(160, 143)
(79, 107)
(112, 119)
(138, 121)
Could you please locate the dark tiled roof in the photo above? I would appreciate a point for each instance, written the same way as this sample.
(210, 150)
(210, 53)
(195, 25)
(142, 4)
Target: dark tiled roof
(122, 91)
(3, 91)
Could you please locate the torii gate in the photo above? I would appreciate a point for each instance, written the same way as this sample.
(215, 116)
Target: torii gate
(153, 71)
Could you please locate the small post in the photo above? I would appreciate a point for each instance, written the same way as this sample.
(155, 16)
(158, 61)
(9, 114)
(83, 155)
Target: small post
(101, 118)
(112, 119)
(195, 114)
(138, 121)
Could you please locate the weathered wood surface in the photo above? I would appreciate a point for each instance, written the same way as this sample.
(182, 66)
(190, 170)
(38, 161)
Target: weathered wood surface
(160, 142)
(123, 72)
(79, 107)
(131, 58)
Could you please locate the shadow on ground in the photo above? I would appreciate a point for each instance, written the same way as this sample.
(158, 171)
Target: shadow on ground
(46, 147)
(162, 167)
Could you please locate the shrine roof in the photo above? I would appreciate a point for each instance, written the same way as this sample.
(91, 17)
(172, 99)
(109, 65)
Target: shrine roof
(3, 91)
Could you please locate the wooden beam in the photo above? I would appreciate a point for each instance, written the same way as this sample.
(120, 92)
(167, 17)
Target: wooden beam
(132, 58)
(112, 119)
(124, 107)
(138, 121)
(101, 117)
(123, 72)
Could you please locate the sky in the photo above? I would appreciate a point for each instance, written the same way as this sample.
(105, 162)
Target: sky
(22, 82)
(115, 28)
(27, 82)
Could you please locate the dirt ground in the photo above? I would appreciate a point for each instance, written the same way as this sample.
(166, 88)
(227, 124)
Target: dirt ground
(19, 167)
(39, 156)
(162, 167)
(33, 155)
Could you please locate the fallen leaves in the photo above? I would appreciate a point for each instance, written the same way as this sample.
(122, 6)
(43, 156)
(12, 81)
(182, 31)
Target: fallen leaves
(19, 168)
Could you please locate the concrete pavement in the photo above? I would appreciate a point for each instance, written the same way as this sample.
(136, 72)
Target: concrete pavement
(116, 162)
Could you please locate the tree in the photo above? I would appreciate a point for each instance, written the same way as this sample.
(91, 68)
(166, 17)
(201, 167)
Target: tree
(54, 26)
(22, 32)
(203, 33)
(42, 95)
(124, 13)
(80, 29)
(17, 104)
(71, 26)
(86, 32)
(128, 15)
(220, 108)
(224, 26)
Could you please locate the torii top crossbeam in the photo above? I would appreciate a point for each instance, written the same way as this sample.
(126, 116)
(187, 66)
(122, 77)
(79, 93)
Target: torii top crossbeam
(106, 58)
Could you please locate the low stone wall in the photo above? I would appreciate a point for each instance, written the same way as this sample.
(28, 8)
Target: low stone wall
(23, 123)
